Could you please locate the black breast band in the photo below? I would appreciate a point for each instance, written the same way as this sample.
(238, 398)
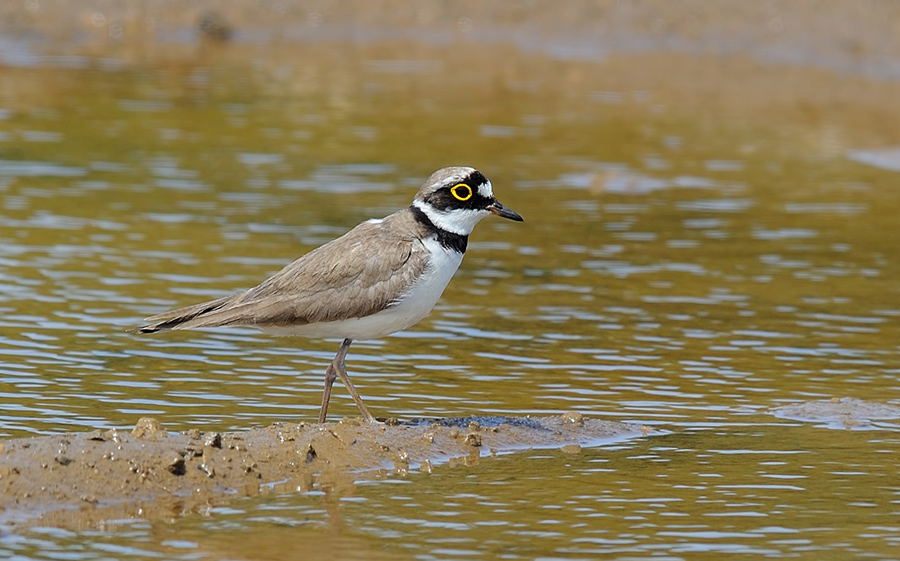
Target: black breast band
(449, 240)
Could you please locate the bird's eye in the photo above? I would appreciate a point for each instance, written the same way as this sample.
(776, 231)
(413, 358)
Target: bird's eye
(461, 192)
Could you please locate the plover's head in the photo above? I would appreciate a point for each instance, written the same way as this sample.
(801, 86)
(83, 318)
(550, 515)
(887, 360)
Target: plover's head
(455, 199)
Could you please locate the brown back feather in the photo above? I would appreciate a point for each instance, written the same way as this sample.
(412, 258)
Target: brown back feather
(356, 275)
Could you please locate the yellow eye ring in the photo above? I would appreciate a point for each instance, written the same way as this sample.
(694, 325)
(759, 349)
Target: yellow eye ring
(461, 192)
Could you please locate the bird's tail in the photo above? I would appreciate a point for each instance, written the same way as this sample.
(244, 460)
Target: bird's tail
(184, 318)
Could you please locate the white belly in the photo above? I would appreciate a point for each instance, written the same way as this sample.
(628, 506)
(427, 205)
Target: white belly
(417, 303)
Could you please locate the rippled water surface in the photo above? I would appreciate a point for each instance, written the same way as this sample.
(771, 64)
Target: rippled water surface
(675, 272)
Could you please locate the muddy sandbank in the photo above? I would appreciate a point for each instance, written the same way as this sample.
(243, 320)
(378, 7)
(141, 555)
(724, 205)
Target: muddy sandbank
(845, 413)
(83, 479)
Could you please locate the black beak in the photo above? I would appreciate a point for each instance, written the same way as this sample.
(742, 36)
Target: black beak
(501, 210)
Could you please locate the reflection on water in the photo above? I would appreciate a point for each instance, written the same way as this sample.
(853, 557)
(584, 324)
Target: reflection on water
(665, 275)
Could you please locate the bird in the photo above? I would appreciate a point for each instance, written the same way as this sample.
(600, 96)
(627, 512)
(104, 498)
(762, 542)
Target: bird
(383, 276)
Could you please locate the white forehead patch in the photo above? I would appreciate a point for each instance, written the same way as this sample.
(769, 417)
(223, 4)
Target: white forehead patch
(485, 190)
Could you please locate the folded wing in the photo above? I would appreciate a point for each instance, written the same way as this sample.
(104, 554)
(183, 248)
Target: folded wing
(362, 272)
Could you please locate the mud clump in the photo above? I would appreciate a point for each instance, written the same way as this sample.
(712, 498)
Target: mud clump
(839, 413)
(83, 478)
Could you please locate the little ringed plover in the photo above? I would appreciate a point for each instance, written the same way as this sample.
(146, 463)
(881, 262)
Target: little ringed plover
(380, 277)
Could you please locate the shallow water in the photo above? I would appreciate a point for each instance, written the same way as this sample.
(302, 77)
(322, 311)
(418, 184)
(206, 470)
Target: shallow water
(675, 271)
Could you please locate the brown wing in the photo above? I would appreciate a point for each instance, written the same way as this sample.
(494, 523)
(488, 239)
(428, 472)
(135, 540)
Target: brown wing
(356, 275)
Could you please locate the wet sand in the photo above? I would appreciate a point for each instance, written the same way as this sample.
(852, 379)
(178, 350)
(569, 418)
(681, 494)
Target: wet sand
(83, 479)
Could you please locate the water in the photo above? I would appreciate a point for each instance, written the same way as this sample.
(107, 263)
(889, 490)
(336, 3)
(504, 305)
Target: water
(680, 270)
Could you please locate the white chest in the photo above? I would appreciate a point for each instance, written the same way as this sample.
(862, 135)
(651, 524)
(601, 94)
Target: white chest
(426, 291)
